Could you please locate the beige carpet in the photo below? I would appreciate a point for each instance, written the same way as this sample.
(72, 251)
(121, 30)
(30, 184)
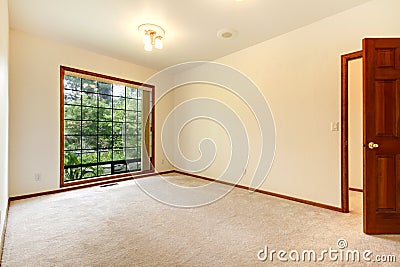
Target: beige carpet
(122, 226)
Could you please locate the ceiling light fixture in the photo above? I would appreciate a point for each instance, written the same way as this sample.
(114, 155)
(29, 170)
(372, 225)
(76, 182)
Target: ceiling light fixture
(152, 36)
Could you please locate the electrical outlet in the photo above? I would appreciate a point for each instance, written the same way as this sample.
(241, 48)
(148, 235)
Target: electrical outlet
(37, 177)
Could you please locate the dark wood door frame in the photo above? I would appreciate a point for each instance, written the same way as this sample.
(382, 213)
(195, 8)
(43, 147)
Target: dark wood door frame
(344, 125)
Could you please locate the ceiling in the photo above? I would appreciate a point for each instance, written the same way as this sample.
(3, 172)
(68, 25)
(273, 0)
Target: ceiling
(109, 27)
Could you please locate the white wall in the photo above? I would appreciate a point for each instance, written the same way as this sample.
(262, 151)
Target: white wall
(34, 106)
(4, 33)
(355, 124)
(195, 131)
(299, 75)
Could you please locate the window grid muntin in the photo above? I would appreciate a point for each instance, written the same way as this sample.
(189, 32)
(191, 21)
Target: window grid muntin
(113, 148)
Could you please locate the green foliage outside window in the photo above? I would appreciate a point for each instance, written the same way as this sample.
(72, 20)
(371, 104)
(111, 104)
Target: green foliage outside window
(103, 123)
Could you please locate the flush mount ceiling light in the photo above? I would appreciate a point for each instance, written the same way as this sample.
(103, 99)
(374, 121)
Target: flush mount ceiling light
(152, 36)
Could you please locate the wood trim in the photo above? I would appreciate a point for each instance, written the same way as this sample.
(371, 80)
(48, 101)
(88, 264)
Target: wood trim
(62, 124)
(63, 69)
(344, 127)
(86, 185)
(3, 233)
(356, 189)
(320, 205)
(66, 189)
(106, 178)
(153, 129)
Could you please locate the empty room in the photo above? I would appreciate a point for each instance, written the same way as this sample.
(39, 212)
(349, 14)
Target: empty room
(199, 133)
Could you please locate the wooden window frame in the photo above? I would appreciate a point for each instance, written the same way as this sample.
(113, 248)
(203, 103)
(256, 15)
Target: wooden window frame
(64, 69)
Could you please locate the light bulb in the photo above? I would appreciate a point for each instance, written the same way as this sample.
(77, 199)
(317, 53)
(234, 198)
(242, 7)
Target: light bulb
(147, 39)
(158, 42)
(148, 47)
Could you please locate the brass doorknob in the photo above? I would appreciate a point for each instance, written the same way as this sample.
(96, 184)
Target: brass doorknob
(372, 145)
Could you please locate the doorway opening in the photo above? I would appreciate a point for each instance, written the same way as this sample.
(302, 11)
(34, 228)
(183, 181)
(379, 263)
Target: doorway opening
(352, 172)
(355, 135)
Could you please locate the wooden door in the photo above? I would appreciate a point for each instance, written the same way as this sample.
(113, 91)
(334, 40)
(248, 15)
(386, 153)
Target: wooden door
(381, 60)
